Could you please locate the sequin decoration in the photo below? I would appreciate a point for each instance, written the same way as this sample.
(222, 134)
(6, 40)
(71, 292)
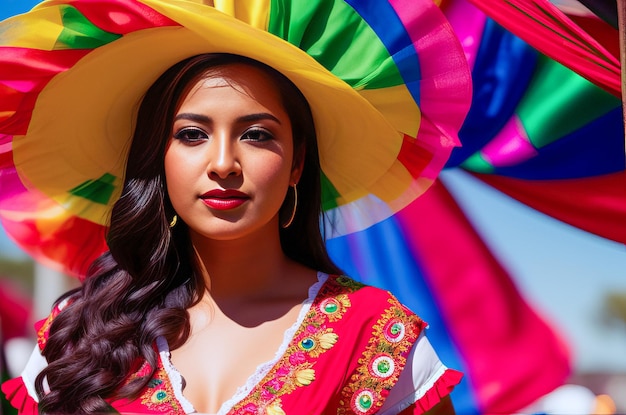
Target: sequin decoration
(335, 307)
(159, 394)
(383, 366)
(394, 331)
(392, 338)
(363, 401)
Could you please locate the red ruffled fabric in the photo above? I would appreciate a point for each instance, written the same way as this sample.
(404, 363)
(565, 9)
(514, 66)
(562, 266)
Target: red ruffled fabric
(17, 395)
(442, 388)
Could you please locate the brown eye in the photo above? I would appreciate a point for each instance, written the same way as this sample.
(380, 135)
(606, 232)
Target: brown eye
(257, 134)
(191, 135)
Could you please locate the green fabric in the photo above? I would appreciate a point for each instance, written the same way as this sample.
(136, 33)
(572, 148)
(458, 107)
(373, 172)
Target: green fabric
(98, 191)
(478, 164)
(337, 37)
(329, 194)
(548, 112)
(80, 33)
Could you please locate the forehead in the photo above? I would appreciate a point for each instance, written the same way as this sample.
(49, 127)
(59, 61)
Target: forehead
(250, 80)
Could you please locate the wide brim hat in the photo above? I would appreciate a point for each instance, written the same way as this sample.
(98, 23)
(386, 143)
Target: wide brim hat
(387, 83)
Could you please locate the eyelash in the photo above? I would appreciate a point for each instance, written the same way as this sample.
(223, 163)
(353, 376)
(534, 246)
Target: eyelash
(257, 132)
(253, 134)
(183, 135)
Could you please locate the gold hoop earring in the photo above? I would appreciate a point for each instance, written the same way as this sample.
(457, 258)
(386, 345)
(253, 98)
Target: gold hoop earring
(295, 205)
(173, 221)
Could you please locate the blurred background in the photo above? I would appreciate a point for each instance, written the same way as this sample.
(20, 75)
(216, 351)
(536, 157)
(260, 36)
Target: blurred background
(516, 258)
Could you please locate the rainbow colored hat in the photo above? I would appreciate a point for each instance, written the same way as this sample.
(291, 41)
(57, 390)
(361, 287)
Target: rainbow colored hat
(387, 82)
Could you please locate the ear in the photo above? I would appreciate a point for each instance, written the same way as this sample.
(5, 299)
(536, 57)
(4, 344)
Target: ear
(298, 165)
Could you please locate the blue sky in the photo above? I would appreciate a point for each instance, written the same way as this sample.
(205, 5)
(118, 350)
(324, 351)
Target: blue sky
(12, 7)
(563, 272)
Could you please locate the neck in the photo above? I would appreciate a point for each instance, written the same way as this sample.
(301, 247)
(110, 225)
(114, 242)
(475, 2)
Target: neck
(245, 267)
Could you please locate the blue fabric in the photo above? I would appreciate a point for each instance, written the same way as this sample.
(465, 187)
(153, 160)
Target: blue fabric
(502, 71)
(379, 256)
(383, 20)
(575, 155)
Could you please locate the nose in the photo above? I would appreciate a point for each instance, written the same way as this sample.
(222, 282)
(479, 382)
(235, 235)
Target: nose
(223, 161)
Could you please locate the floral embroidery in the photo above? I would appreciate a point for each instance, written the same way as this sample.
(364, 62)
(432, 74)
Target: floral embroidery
(260, 409)
(275, 410)
(380, 365)
(44, 330)
(296, 368)
(363, 400)
(158, 395)
(394, 331)
(315, 342)
(349, 283)
(335, 307)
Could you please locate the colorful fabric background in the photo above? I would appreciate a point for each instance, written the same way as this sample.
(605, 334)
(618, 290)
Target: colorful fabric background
(541, 133)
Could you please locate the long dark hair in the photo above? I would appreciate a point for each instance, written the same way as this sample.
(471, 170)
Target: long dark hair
(141, 288)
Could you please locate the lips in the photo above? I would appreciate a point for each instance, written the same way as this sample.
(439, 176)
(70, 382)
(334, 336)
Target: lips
(219, 199)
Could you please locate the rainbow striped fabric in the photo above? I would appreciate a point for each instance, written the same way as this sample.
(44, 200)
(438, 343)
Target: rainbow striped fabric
(537, 130)
(69, 69)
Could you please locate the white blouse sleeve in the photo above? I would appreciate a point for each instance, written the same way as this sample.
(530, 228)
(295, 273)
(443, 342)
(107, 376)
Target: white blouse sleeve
(36, 363)
(423, 369)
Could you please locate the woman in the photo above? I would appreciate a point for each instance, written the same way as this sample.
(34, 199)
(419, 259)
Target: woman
(216, 294)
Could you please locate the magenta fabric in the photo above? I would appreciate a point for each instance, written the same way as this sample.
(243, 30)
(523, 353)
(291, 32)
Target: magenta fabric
(512, 355)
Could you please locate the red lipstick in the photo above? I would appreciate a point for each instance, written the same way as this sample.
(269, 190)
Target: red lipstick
(219, 199)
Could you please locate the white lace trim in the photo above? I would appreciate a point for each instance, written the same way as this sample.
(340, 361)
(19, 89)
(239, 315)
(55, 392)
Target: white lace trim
(174, 375)
(261, 371)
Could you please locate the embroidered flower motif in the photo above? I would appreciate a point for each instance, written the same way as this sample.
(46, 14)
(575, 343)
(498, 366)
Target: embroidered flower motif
(305, 377)
(274, 410)
(382, 366)
(283, 371)
(297, 358)
(250, 408)
(349, 283)
(296, 368)
(382, 361)
(158, 397)
(394, 331)
(328, 340)
(363, 401)
(316, 343)
(335, 307)
(273, 386)
(159, 394)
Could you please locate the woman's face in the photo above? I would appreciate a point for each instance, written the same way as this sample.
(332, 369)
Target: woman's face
(229, 161)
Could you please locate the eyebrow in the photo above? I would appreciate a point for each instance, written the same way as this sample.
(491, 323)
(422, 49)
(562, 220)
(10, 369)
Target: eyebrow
(245, 118)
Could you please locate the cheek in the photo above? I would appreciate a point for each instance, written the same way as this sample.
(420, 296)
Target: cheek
(171, 170)
(177, 175)
(272, 171)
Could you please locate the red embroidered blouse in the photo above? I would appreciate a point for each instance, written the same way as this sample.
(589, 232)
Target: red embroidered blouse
(354, 350)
